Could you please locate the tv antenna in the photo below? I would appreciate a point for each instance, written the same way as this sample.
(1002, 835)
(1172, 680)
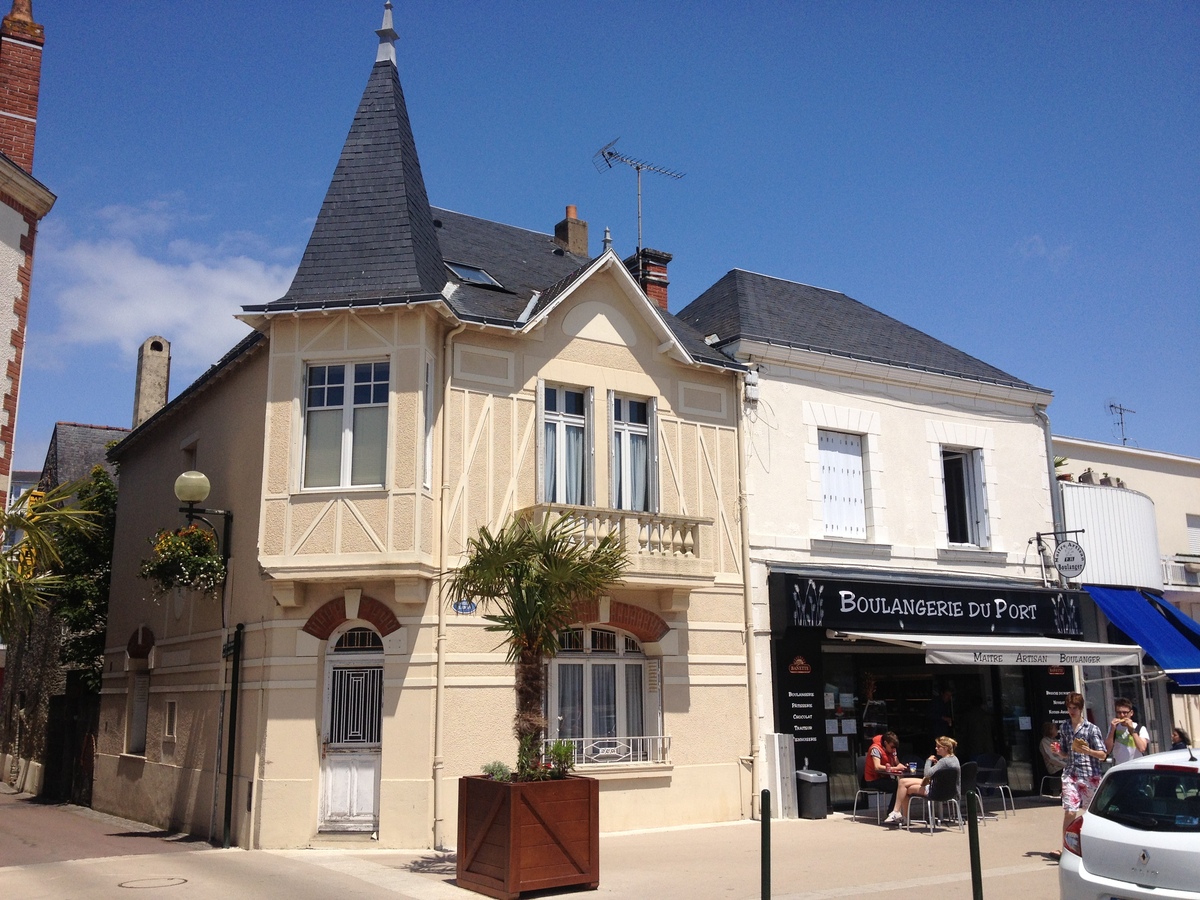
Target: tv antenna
(603, 161)
(1116, 409)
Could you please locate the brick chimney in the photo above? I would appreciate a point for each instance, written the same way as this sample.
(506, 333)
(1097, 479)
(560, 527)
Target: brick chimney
(21, 41)
(653, 274)
(572, 234)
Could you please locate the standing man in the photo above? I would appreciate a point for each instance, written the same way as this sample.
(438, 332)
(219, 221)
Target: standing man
(1081, 746)
(1126, 738)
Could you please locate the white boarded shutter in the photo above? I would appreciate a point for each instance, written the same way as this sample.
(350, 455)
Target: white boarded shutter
(1193, 533)
(540, 425)
(842, 484)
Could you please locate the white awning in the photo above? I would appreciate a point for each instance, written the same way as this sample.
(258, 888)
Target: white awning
(1003, 650)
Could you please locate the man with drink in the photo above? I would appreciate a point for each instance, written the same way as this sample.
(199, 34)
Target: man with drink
(1082, 747)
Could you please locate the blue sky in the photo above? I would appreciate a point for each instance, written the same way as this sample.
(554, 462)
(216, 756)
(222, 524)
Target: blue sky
(1018, 180)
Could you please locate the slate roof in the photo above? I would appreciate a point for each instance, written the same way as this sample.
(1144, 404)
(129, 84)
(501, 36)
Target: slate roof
(747, 306)
(374, 236)
(74, 449)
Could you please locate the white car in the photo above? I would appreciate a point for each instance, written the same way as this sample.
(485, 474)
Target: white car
(1140, 837)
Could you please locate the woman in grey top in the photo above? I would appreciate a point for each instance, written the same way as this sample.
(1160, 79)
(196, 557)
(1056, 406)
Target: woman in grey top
(943, 758)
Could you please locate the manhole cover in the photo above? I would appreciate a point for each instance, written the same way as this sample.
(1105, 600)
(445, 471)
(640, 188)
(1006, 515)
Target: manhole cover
(162, 881)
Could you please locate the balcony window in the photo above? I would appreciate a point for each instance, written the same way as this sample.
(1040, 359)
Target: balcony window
(966, 497)
(633, 464)
(566, 444)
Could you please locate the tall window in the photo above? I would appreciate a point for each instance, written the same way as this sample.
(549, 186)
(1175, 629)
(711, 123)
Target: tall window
(345, 427)
(1193, 533)
(567, 444)
(632, 481)
(842, 484)
(597, 696)
(139, 701)
(966, 499)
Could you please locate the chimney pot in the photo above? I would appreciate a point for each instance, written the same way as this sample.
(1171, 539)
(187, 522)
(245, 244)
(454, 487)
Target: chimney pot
(652, 273)
(153, 378)
(572, 233)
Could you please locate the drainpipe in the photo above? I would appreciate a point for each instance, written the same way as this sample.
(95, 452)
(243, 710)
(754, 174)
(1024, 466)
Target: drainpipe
(748, 601)
(439, 704)
(1056, 502)
(233, 711)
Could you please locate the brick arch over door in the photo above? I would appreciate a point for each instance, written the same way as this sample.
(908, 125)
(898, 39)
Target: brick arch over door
(322, 623)
(141, 642)
(641, 623)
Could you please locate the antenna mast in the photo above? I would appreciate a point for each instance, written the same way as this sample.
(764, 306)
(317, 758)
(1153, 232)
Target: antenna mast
(603, 161)
(1119, 411)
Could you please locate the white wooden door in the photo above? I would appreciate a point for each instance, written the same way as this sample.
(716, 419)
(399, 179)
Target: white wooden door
(352, 746)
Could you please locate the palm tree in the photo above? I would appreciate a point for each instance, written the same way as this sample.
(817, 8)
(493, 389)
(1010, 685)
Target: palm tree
(33, 524)
(533, 574)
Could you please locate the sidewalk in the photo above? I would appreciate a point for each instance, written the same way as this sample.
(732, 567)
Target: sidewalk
(824, 858)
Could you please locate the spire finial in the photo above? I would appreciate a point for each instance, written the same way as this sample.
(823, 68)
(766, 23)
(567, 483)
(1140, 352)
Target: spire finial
(607, 240)
(387, 34)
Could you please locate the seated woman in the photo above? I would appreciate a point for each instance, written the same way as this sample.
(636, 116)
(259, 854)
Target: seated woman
(1054, 761)
(1180, 739)
(943, 758)
(882, 765)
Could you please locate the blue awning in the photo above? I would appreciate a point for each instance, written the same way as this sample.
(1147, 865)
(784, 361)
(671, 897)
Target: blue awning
(1153, 632)
(1185, 623)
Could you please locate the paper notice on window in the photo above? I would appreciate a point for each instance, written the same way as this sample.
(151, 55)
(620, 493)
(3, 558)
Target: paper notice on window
(846, 701)
(849, 726)
(830, 700)
(831, 726)
(1025, 723)
(841, 744)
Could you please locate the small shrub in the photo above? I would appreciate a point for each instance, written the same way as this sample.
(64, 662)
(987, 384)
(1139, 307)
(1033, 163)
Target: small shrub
(497, 771)
(562, 758)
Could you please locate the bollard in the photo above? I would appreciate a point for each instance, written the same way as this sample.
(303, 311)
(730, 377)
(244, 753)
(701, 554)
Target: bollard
(973, 841)
(765, 812)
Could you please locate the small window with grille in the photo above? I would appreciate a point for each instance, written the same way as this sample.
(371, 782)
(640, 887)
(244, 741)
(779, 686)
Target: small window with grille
(359, 640)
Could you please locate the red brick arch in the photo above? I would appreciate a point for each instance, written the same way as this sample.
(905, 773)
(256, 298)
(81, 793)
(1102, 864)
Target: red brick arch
(641, 623)
(141, 642)
(322, 623)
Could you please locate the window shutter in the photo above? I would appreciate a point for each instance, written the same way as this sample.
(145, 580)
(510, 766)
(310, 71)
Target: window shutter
(652, 436)
(589, 436)
(540, 443)
(1193, 533)
(842, 484)
(982, 528)
(613, 475)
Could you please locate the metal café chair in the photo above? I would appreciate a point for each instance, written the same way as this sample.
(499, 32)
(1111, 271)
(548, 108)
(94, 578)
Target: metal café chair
(1054, 781)
(970, 774)
(943, 789)
(993, 775)
(865, 787)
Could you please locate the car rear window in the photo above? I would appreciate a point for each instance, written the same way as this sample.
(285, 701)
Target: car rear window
(1150, 799)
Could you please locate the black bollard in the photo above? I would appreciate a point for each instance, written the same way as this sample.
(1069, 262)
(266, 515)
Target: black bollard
(973, 841)
(765, 811)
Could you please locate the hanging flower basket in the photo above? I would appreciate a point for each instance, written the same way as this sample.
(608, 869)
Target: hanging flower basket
(186, 558)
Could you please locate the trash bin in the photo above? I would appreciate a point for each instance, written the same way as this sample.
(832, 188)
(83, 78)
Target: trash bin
(812, 793)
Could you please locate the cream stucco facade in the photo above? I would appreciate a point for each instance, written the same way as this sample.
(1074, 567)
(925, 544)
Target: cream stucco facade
(309, 565)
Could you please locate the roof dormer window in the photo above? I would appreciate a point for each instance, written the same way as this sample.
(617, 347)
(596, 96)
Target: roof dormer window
(472, 275)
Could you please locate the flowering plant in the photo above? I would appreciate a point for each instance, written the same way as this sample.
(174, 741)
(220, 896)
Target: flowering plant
(187, 558)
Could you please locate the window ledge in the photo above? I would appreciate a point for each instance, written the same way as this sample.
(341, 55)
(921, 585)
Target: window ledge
(845, 547)
(624, 771)
(972, 555)
(137, 757)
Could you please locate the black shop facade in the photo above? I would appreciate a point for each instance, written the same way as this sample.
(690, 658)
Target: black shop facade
(855, 654)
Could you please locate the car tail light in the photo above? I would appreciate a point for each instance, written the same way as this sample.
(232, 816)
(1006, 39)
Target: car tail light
(1162, 767)
(1073, 839)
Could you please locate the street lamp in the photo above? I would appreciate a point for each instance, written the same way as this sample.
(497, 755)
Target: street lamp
(192, 487)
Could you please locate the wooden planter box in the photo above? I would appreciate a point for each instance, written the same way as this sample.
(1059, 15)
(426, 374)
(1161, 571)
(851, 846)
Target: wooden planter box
(527, 836)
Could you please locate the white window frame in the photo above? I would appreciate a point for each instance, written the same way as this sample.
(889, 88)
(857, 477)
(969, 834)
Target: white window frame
(171, 720)
(621, 431)
(627, 652)
(843, 486)
(348, 407)
(1193, 533)
(560, 420)
(974, 504)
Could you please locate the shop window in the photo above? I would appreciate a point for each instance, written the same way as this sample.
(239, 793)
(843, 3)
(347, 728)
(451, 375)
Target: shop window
(345, 424)
(842, 490)
(566, 469)
(633, 463)
(966, 498)
(602, 696)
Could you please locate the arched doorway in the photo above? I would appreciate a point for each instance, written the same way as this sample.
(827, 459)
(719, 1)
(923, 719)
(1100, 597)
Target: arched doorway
(352, 734)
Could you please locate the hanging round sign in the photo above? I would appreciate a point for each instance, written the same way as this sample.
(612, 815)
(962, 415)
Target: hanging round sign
(1069, 559)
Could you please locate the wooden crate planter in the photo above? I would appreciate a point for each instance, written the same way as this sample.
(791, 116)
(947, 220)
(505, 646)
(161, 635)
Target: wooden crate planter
(527, 836)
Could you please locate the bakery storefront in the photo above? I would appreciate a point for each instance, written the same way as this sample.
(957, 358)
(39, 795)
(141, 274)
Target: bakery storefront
(986, 663)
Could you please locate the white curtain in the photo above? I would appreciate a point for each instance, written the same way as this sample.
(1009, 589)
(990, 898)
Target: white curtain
(574, 465)
(638, 456)
(369, 453)
(551, 460)
(570, 700)
(323, 448)
(634, 720)
(604, 701)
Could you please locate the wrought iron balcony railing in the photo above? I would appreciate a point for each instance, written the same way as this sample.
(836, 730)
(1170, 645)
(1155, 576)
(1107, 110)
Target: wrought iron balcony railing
(601, 751)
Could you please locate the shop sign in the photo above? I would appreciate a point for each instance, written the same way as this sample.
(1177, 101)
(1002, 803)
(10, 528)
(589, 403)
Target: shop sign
(843, 604)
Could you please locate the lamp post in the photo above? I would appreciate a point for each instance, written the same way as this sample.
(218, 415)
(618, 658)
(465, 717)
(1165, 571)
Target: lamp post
(193, 487)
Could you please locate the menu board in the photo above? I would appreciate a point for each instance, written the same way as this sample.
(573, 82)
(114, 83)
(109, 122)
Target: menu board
(800, 697)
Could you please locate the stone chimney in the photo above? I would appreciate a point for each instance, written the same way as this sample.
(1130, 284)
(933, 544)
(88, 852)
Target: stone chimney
(153, 379)
(571, 233)
(21, 41)
(652, 274)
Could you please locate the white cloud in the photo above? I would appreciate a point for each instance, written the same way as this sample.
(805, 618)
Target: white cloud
(1034, 247)
(115, 290)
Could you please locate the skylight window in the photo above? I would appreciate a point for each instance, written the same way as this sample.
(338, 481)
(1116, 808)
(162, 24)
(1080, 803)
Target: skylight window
(472, 275)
